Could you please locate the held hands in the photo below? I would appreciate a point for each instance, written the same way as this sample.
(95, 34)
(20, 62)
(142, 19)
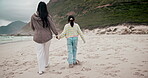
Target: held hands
(57, 37)
(84, 41)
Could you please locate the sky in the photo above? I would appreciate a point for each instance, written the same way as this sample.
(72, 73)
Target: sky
(14, 10)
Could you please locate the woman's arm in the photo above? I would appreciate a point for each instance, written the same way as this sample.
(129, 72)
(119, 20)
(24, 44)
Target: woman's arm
(52, 26)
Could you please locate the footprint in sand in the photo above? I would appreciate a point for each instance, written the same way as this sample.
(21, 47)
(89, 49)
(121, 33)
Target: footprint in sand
(21, 53)
(64, 58)
(116, 53)
(116, 71)
(140, 65)
(11, 73)
(117, 57)
(138, 74)
(59, 72)
(116, 64)
(145, 71)
(144, 61)
(109, 63)
(10, 76)
(4, 70)
(108, 54)
(124, 59)
(132, 63)
(25, 63)
(83, 77)
(67, 76)
(108, 67)
(26, 69)
(111, 74)
(55, 64)
(55, 72)
(138, 70)
(1, 65)
(7, 68)
(77, 73)
(102, 64)
(133, 68)
(21, 73)
(95, 56)
(79, 53)
(85, 69)
(106, 58)
(62, 68)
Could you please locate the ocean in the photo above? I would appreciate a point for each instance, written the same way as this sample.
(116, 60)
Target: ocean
(9, 39)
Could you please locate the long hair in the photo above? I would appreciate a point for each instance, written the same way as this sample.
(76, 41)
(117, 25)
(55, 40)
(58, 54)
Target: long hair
(71, 20)
(43, 13)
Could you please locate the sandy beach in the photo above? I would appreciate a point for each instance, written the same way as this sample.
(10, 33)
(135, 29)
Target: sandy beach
(102, 56)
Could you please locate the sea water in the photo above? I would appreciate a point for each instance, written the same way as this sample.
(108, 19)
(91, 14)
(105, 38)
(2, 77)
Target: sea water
(8, 39)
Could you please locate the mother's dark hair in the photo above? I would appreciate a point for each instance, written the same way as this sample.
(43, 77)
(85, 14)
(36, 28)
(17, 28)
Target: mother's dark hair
(43, 13)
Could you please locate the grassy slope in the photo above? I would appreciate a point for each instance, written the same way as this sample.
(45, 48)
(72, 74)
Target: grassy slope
(121, 11)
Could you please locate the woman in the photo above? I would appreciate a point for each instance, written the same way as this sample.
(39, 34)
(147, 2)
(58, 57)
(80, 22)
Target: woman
(71, 32)
(43, 27)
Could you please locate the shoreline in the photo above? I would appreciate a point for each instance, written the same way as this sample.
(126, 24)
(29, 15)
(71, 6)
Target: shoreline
(85, 35)
(14, 41)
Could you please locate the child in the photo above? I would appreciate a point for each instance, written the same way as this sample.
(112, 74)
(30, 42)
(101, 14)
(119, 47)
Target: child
(71, 32)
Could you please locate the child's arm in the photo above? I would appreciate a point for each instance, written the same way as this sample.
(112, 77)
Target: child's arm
(81, 34)
(63, 33)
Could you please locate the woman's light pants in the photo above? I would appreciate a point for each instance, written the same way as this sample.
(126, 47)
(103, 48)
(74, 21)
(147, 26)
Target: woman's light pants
(43, 55)
(72, 49)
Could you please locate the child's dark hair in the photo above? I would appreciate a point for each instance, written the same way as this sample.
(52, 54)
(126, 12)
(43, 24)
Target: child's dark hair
(71, 20)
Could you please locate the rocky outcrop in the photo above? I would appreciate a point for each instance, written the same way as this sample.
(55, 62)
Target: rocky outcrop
(122, 29)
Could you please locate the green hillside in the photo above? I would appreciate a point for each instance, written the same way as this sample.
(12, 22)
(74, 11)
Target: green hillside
(92, 14)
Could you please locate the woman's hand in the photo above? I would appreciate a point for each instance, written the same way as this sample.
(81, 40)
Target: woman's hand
(84, 41)
(57, 37)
